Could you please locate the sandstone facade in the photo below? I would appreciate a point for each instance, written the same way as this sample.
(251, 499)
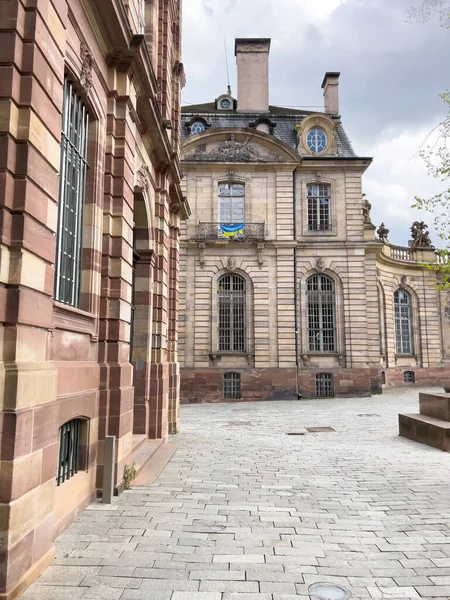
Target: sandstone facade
(92, 350)
(294, 185)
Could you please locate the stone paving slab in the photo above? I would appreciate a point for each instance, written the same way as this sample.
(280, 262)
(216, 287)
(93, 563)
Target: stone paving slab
(249, 513)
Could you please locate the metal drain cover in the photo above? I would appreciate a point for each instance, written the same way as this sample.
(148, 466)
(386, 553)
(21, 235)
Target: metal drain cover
(319, 429)
(295, 433)
(329, 591)
(368, 415)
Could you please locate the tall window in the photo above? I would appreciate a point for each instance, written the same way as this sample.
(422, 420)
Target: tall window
(402, 313)
(321, 317)
(232, 385)
(319, 217)
(72, 190)
(231, 203)
(231, 314)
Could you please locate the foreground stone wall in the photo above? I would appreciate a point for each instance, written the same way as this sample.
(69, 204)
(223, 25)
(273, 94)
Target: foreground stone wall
(61, 362)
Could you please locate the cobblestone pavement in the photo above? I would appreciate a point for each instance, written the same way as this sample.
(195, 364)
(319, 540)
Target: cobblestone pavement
(245, 512)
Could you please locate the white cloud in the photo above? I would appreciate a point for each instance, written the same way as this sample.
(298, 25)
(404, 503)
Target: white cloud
(397, 175)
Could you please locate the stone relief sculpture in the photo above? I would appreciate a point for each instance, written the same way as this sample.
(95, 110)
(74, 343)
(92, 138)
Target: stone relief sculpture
(366, 211)
(231, 150)
(142, 176)
(87, 62)
(260, 248)
(201, 249)
(320, 264)
(231, 265)
(420, 235)
(382, 233)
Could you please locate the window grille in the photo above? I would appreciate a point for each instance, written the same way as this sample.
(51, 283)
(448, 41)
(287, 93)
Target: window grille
(324, 385)
(321, 317)
(72, 190)
(402, 311)
(231, 203)
(409, 377)
(232, 319)
(136, 257)
(232, 385)
(383, 377)
(69, 450)
(319, 218)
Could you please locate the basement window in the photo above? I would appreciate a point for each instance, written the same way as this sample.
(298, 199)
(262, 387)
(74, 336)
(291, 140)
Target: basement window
(383, 377)
(70, 450)
(232, 386)
(409, 377)
(324, 385)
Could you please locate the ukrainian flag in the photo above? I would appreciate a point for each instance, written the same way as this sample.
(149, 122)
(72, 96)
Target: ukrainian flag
(232, 230)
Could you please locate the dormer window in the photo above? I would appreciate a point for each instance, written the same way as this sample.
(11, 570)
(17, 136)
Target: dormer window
(316, 139)
(225, 102)
(197, 127)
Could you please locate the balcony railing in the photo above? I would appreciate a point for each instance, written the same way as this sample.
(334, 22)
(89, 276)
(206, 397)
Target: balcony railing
(253, 232)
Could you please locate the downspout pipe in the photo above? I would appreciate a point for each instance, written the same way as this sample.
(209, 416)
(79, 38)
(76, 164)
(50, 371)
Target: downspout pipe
(296, 320)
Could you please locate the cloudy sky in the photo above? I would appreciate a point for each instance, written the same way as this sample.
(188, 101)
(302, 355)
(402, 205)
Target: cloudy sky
(392, 71)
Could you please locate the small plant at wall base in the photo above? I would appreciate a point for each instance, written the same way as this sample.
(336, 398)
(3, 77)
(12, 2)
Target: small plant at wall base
(129, 473)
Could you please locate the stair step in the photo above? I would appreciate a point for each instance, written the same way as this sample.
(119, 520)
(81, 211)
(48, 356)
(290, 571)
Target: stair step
(425, 430)
(144, 452)
(154, 467)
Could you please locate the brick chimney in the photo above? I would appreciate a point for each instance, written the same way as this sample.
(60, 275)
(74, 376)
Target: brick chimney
(252, 59)
(330, 86)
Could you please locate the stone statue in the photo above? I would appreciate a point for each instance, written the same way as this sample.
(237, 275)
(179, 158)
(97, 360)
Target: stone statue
(421, 237)
(382, 233)
(366, 211)
(231, 265)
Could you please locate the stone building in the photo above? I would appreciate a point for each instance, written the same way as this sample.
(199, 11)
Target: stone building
(90, 210)
(286, 286)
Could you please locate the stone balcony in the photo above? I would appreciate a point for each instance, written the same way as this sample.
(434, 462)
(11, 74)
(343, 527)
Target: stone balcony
(211, 232)
(408, 254)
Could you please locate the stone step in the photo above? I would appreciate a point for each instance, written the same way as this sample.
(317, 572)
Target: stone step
(425, 430)
(144, 452)
(435, 405)
(154, 467)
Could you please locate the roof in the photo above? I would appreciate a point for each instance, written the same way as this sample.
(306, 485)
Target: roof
(285, 119)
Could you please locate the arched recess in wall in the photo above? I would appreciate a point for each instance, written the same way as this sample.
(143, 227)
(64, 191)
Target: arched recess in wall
(143, 262)
(339, 325)
(249, 347)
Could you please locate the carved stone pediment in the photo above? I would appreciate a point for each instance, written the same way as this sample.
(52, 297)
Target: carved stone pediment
(233, 149)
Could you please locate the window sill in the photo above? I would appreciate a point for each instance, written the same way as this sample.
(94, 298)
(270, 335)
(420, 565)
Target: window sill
(68, 318)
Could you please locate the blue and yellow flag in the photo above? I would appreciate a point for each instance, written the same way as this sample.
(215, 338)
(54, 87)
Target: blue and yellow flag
(232, 230)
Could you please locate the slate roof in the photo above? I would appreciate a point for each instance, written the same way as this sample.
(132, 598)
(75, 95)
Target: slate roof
(285, 118)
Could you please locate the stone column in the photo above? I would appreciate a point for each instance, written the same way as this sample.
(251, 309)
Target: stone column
(32, 40)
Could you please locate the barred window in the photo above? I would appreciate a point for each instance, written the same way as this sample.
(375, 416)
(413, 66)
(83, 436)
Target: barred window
(232, 321)
(324, 385)
(321, 317)
(232, 385)
(319, 217)
(383, 378)
(72, 190)
(409, 377)
(402, 312)
(69, 450)
(231, 203)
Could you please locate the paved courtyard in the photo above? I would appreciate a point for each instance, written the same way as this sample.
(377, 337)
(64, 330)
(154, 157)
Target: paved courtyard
(245, 512)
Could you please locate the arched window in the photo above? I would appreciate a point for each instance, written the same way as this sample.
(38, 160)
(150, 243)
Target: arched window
(71, 456)
(402, 313)
(321, 317)
(232, 321)
(409, 377)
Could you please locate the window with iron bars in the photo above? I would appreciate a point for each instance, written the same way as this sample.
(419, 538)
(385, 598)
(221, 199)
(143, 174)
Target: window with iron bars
(69, 450)
(321, 317)
(232, 385)
(409, 377)
(232, 318)
(319, 200)
(72, 191)
(324, 385)
(402, 312)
